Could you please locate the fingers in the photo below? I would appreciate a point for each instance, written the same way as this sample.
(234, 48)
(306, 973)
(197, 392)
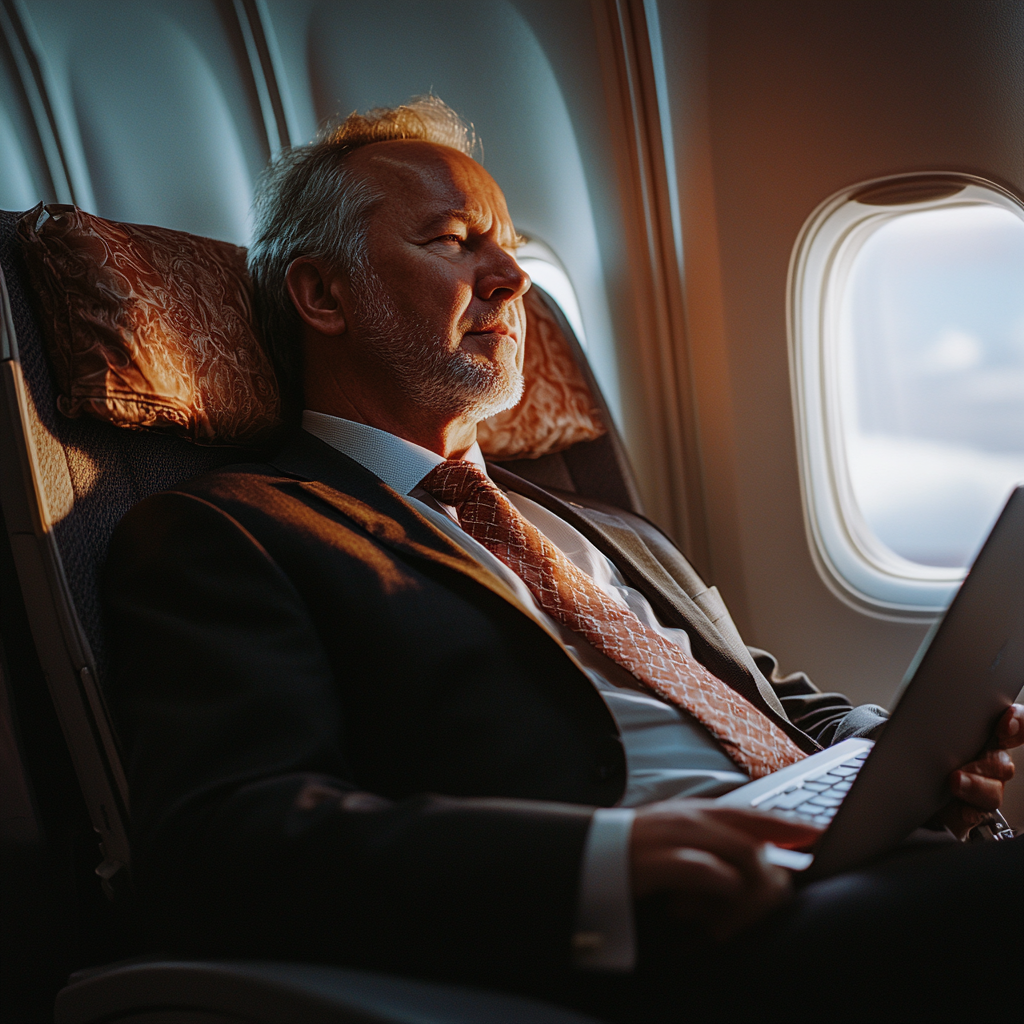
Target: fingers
(981, 782)
(1009, 730)
(714, 872)
(703, 872)
(993, 764)
(769, 828)
(732, 833)
(660, 830)
(977, 790)
(717, 895)
(960, 818)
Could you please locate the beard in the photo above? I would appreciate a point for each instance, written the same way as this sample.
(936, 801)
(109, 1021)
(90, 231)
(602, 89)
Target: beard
(422, 363)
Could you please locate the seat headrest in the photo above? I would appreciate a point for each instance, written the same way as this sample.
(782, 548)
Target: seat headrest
(148, 328)
(152, 329)
(557, 408)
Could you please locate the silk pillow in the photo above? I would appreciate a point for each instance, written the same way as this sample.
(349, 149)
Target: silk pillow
(557, 409)
(149, 328)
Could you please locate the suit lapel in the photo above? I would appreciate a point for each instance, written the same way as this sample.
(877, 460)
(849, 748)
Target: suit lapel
(340, 482)
(334, 479)
(627, 550)
(674, 606)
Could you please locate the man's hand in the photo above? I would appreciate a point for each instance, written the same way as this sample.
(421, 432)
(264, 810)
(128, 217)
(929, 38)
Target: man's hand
(977, 787)
(709, 861)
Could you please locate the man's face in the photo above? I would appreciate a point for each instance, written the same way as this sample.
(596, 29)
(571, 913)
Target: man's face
(441, 301)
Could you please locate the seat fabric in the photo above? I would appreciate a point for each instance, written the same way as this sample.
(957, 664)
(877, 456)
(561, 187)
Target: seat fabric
(92, 474)
(267, 993)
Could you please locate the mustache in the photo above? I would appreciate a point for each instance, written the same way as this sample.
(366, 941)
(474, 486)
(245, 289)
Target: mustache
(507, 318)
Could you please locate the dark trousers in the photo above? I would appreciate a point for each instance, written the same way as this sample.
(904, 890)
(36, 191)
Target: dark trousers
(933, 932)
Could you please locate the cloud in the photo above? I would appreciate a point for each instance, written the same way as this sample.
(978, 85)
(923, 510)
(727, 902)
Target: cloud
(930, 502)
(954, 351)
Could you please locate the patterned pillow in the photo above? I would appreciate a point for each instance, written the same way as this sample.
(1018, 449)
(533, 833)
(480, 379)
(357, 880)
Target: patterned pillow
(149, 328)
(557, 409)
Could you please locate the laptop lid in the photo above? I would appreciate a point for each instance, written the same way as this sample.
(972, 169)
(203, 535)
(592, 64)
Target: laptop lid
(968, 670)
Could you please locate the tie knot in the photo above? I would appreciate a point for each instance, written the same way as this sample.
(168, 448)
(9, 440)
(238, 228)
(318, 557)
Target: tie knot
(455, 481)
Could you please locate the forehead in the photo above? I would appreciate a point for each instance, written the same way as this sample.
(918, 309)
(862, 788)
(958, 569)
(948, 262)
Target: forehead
(423, 181)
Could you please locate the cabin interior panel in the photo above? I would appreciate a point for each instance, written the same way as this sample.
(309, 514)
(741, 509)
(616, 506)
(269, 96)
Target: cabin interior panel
(776, 107)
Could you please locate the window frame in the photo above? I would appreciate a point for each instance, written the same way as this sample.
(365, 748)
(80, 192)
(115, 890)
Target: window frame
(852, 562)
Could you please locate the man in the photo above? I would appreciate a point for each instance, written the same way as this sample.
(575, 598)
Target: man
(382, 709)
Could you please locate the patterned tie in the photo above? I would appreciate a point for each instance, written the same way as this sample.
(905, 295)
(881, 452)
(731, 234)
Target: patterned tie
(568, 594)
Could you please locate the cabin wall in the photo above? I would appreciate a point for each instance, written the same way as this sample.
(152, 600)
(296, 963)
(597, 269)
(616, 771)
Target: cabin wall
(775, 107)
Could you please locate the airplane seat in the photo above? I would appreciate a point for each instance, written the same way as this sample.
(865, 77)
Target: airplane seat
(64, 484)
(88, 475)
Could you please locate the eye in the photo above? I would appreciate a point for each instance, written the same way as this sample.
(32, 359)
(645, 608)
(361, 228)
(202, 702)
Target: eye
(457, 239)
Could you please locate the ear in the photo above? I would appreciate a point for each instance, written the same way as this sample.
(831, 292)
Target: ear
(319, 294)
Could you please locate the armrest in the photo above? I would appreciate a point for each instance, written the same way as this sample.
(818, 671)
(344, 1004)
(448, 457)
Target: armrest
(267, 993)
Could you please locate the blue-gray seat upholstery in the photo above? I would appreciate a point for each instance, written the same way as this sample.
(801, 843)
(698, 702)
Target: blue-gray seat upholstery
(91, 473)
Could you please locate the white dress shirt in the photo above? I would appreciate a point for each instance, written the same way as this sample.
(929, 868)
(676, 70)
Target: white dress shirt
(668, 753)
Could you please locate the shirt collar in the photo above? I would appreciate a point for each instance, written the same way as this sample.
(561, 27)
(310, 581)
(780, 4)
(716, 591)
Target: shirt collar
(399, 463)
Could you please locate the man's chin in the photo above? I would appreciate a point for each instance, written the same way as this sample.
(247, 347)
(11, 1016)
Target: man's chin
(465, 387)
(495, 401)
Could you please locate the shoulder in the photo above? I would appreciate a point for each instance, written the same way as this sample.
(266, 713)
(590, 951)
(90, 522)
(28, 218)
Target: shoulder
(239, 484)
(614, 530)
(222, 495)
(201, 519)
(287, 507)
(259, 491)
(231, 524)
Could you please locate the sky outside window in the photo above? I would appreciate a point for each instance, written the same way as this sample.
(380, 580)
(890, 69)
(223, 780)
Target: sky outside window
(932, 378)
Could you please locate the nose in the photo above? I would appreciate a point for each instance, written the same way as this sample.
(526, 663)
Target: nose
(501, 278)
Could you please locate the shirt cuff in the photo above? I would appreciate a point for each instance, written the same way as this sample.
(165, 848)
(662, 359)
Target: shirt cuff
(605, 935)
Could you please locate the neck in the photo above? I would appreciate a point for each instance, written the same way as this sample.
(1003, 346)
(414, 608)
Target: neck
(450, 439)
(449, 436)
(340, 382)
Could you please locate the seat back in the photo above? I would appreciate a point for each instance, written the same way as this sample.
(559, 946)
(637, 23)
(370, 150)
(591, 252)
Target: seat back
(64, 486)
(595, 468)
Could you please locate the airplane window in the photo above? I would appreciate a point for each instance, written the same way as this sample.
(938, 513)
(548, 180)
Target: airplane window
(932, 376)
(908, 351)
(546, 271)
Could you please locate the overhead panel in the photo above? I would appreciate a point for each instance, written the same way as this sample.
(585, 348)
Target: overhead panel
(156, 109)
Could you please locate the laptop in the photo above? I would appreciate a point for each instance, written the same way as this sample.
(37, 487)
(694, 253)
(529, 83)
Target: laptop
(870, 796)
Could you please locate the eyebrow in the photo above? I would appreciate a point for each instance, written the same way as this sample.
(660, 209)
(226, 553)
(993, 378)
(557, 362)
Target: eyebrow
(468, 218)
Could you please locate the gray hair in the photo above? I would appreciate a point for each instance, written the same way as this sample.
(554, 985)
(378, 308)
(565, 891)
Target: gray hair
(307, 204)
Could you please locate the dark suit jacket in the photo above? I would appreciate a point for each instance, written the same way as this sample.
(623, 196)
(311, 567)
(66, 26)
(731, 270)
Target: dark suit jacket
(345, 742)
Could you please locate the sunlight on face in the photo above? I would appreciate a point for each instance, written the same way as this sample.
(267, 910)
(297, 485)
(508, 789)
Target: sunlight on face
(439, 301)
(423, 362)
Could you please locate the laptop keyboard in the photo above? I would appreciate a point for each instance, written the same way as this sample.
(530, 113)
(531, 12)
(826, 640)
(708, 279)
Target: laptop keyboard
(816, 798)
